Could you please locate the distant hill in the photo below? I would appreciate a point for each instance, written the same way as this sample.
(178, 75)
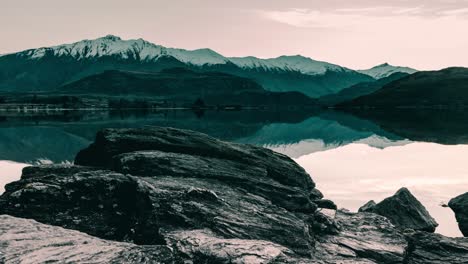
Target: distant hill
(385, 70)
(180, 84)
(359, 89)
(446, 88)
(47, 68)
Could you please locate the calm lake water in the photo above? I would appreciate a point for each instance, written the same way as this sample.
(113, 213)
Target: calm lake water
(352, 158)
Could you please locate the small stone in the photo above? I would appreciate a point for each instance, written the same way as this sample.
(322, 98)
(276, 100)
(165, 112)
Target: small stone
(405, 211)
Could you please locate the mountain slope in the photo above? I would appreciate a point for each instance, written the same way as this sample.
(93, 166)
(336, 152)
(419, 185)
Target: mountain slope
(447, 88)
(385, 70)
(359, 89)
(52, 67)
(182, 85)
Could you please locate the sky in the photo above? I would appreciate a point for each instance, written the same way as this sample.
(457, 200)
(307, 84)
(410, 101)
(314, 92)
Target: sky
(424, 34)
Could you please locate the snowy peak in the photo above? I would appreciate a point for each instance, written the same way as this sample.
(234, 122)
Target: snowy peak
(111, 38)
(385, 70)
(137, 49)
(141, 50)
(289, 63)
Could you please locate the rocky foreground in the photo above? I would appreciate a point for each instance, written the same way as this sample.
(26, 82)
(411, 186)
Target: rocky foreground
(163, 195)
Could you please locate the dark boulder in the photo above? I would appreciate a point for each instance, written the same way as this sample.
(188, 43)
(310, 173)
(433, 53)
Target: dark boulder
(368, 207)
(426, 248)
(142, 210)
(459, 205)
(325, 204)
(184, 153)
(254, 179)
(405, 211)
(112, 142)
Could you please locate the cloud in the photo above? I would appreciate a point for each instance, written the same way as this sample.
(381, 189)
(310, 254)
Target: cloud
(355, 18)
(459, 11)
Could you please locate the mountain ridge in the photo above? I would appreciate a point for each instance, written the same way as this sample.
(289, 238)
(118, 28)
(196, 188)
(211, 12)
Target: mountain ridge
(48, 68)
(143, 50)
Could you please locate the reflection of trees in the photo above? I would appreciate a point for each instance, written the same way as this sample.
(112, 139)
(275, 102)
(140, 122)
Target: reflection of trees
(439, 126)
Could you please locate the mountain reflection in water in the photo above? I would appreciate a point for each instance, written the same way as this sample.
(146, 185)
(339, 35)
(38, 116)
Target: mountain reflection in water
(352, 158)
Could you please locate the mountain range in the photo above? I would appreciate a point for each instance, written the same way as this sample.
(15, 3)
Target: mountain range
(49, 68)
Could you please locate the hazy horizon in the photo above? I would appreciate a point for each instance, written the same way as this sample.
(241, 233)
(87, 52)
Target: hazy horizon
(359, 34)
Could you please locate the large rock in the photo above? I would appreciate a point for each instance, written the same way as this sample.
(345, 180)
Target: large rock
(29, 242)
(121, 207)
(403, 210)
(254, 179)
(426, 248)
(184, 153)
(459, 205)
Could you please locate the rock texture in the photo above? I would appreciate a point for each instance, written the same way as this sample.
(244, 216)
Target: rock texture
(404, 210)
(121, 207)
(29, 242)
(426, 248)
(459, 205)
(190, 198)
(363, 238)
(184, 153)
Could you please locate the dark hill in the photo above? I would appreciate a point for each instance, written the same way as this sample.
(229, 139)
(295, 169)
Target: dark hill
(447, 88)
(359, 89)
(180, 84)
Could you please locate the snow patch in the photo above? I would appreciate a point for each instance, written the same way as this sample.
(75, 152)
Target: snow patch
(385, 70)
(289, 63)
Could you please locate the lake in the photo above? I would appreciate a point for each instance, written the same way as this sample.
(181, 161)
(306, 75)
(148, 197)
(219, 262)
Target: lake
(353, 158)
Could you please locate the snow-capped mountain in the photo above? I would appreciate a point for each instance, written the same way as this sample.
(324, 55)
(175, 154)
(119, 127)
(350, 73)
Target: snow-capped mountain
(291, 63)
(137, 49)
(51, 67)
(142, 50)
(385, 70)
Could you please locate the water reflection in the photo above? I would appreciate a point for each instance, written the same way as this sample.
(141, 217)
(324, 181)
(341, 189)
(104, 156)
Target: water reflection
(356, 173)
(26, 139)
(353, 158)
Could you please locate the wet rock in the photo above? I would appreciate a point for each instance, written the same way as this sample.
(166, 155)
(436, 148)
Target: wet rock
(362, 238)
(368, 207)
(274, 170)
(121, 207)
(102, 203)
(252, 178)
(202, 246)
(405, 211)
(426, 248)
(459, 206)
(27, 241)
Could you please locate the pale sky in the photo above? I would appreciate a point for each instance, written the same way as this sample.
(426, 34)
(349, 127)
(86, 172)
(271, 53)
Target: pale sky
(424, 34)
